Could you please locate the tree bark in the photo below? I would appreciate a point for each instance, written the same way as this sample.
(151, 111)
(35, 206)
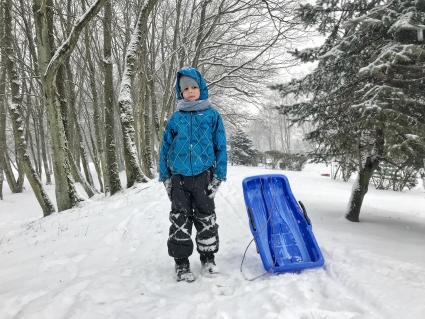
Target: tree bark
(361, 185)
(98, 150)
(151, 83)
(14, 185)
(144, 106)
(360, 188)
(2, 111)
(114, 183)
(66, 194)
(145, 128)
(78, 133)
(38, 143)
(46, 166)
(15, 114)
(1, 184)
(2, 108)
(134, 172)
(39, 112)
(168, 94)
(29, 139)
(423, 175)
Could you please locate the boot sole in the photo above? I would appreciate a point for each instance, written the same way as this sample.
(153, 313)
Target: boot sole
(186, 280)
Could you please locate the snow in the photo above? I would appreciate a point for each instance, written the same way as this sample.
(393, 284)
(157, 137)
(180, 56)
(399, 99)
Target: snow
(108, 258)
(405, 22)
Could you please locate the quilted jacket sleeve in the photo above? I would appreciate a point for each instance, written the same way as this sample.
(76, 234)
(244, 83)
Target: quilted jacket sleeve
(219, 140)
(167, 139)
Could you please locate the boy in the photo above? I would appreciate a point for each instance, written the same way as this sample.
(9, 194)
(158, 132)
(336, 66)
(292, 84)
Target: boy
(192, 164)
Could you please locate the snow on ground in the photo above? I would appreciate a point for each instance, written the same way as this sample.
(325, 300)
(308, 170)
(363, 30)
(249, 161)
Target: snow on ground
(108, 258)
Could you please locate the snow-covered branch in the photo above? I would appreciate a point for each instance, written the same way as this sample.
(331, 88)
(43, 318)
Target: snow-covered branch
(65, 50)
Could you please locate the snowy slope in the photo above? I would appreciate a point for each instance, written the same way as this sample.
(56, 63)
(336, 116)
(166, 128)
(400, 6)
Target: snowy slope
(108, 259)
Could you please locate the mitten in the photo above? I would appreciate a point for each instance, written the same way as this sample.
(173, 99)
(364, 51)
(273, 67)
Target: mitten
(167, 184)
(213, 187)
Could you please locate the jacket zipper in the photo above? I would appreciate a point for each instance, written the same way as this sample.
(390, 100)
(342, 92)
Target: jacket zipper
(190, 144)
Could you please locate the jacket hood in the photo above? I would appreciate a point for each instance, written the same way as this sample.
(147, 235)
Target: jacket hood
(196, 75)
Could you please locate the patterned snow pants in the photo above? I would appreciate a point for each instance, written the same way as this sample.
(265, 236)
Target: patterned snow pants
(190, 205)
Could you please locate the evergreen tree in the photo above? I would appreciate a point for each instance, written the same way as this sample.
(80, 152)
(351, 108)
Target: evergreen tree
(241, 149)
(366, 96)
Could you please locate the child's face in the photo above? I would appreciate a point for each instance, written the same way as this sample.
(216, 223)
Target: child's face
(191, 93)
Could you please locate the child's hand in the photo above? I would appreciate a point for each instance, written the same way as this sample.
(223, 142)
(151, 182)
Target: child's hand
(213, 187)
(167, 184)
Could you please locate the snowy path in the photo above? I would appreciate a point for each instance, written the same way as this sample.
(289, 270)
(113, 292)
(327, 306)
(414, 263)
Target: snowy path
(108, 259)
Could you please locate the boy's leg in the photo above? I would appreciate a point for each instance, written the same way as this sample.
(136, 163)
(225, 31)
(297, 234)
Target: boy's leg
(204, 218)
(179, 243)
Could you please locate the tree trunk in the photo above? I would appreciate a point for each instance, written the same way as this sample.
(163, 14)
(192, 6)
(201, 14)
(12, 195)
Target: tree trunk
(93, 153)
(15, 114)
(29, 137)
(14, 185)
(134, 172)
(78, 177)
(423, 174)
(46, 166)
(147, 132)
(114, 183)
(38, 144)
(360, 188)
(98, 150)
(40, 109)
(2, 113)
(64, 107)
(169, 93)
(151, 85)
(78, 133)
(66, 194)
(1, 183)
(8, 172)
(2, 108)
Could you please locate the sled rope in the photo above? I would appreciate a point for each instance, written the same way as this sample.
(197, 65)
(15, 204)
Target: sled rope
(263, 227)
(243, 259)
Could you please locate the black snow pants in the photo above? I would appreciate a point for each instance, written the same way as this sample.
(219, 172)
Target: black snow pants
(190, 205)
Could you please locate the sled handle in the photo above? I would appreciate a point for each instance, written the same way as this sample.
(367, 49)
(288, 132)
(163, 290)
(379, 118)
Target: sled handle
(305, 212)
(251, 219)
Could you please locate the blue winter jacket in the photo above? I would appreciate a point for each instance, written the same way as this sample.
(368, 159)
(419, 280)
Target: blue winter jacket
(193, 141)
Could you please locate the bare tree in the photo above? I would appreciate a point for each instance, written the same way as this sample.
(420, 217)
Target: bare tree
(2, 106)
(113, 182)
(98, 146)
(66, 195)
(134, 172)
(15, 185)
(98, 109)
(15, 114)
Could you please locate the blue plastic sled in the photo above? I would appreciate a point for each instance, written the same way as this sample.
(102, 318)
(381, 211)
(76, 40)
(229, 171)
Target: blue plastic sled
(281, 227)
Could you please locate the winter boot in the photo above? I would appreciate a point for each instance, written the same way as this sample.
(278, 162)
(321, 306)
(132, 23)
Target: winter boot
(183, 272)
(208, 264)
